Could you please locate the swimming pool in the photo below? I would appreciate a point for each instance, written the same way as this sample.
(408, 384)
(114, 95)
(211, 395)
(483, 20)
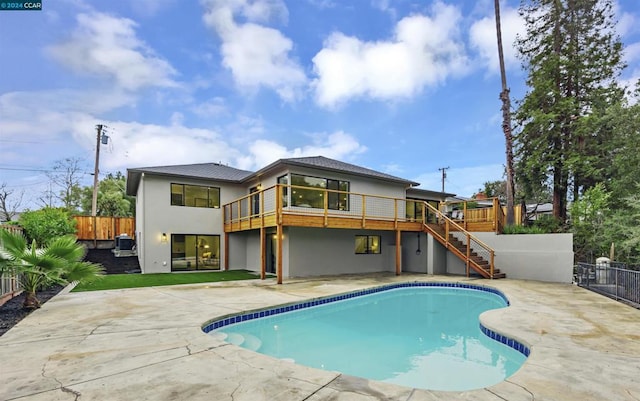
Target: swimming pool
(423, 335)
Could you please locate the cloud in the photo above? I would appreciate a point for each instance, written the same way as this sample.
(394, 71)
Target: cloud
(337, 145)
(424, 51)
(482, 37)
(464, 181)
(257, 56)
(107, 46)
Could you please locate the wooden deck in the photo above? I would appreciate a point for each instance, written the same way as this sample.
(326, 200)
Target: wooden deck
(268, 208)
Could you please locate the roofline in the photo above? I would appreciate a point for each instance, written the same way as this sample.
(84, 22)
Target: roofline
(292, 162)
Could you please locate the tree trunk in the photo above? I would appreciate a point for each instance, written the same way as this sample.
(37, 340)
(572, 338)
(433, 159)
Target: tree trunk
(31, 301)
(506, 121)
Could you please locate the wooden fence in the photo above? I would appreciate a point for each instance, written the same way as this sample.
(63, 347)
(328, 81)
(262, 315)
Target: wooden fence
(106, 227)
(9, 284)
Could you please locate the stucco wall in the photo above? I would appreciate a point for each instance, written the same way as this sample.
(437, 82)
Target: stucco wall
(543, 257)
(314, 252)
(411, 261)
(436, 257)
(159, 216)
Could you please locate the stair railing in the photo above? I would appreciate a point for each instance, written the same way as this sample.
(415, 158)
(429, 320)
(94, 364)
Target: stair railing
(480, 249)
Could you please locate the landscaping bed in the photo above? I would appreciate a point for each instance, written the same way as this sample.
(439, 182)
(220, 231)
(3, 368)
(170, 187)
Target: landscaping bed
(12, 312)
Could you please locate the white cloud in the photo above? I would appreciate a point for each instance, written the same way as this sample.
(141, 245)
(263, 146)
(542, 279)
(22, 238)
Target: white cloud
(338, 145)
(464, 181)
(107, 46)
(483, 38)
(257, 56)
(424, 51)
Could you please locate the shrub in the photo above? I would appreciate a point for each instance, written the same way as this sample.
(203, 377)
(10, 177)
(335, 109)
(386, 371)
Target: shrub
(47, 223)
(523, 230)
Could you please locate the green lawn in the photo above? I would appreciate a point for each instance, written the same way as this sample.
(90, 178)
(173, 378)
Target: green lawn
(116, 281)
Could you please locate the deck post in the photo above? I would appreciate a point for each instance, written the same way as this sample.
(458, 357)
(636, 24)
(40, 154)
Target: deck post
(226, 251)
(468, 252)
(364, 211)
(398, 253)
(263, 253)
(325, 205)
(279, 253)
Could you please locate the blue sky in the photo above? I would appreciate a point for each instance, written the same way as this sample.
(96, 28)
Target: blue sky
(403, 87)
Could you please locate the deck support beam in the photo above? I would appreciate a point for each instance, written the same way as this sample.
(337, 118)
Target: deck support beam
(279, 253)
(263, 253)
(398, 253)
(226, 251)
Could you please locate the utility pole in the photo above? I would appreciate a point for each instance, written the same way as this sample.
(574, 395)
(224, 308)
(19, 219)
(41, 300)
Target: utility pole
(94, 200)
(444, 175)
(100, 137)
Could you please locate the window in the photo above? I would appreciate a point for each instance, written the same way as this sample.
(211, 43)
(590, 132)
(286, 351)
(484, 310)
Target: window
(195, 196)
(284, 181)
(367, 244)
(314, 197)
(195, 252)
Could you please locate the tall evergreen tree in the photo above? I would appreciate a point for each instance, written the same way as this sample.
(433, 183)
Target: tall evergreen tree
(573, 58)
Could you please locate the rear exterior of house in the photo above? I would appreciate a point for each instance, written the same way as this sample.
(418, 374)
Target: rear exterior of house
(331, 218)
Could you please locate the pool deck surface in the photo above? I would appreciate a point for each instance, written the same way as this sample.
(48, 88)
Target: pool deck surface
(148, 344)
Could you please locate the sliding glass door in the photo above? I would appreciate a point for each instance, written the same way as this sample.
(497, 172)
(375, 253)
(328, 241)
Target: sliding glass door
(195, 252)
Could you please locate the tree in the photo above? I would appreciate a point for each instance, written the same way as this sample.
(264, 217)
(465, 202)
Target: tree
(9, 204)
(47, 223)
(573, 58)
(37, 268)
(587, 218)
(66, 174)
(112, 199)
(506, 123)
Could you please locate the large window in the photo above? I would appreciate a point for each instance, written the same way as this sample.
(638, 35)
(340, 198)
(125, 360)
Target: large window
(195, 196)
(284, 181)
(315, 197)
(195, 252)
(414, 210)
(367, 244)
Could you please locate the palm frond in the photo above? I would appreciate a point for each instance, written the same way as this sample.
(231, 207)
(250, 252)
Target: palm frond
(67, 248)
(83, 271)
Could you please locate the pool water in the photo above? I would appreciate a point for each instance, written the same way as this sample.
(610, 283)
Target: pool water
(423, 337)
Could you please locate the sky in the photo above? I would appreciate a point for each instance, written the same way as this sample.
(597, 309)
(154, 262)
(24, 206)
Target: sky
(402, 87)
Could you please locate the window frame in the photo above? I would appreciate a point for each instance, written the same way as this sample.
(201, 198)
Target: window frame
(343, 205)
(211, 202)
(369, 246)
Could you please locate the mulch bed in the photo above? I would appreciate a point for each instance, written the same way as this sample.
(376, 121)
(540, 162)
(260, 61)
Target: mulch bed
(11, 312)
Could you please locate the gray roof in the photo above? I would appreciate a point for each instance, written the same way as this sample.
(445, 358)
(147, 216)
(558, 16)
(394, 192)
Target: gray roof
(324, 163)
(220, 172)
(419, 193)
(209, 171)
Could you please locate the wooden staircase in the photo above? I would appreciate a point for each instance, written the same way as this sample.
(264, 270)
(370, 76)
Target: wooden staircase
(476, 255)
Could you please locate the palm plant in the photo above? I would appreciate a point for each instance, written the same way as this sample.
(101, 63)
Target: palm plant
(59, 262)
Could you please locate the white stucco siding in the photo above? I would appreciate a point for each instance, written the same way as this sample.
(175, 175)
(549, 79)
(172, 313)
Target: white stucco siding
(315, 252)
(411, 260)
(159, 216)
(543, 257)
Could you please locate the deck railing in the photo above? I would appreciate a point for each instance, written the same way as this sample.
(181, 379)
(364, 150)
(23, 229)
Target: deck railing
(488, 211)
(472, 243)
(329, 203)
(611, 279)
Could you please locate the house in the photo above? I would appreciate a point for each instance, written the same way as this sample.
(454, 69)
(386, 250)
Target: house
(296, 217)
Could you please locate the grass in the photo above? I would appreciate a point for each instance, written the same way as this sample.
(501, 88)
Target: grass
(117, 281)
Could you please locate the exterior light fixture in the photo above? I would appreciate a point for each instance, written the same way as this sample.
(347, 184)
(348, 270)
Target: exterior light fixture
(163, 238)
(418, 251)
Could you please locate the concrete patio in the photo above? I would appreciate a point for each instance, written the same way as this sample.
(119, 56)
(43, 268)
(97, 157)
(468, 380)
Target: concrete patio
(147, 344)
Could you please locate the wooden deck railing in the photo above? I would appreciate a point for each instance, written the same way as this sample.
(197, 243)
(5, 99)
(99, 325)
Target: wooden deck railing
(447, 228)
(480, 215)
(260, 208)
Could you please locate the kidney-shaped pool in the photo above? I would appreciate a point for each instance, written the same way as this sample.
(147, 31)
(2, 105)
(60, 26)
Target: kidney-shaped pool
(423, 335)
